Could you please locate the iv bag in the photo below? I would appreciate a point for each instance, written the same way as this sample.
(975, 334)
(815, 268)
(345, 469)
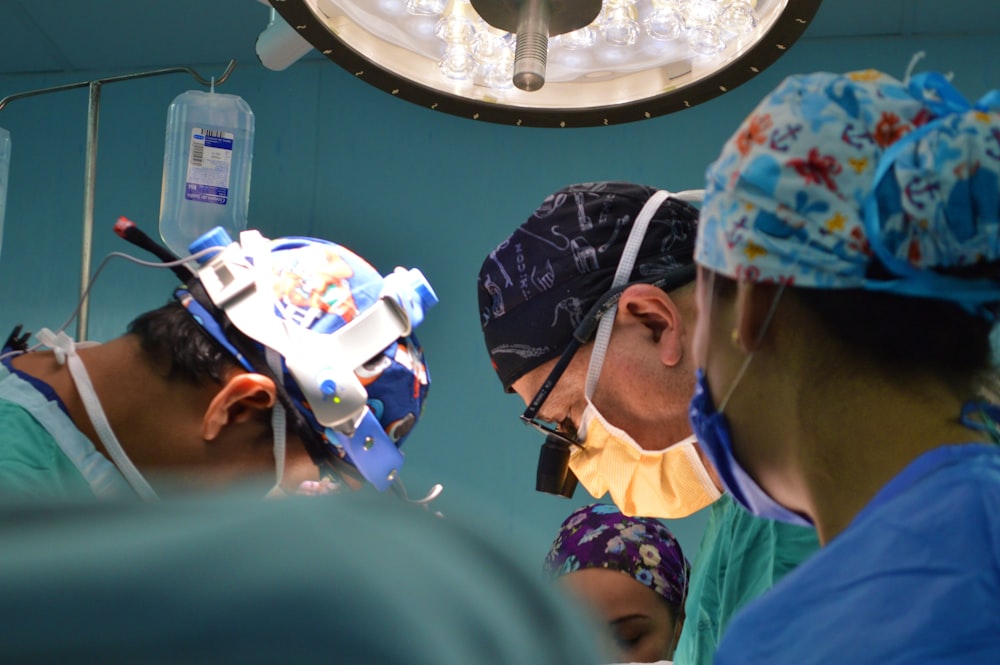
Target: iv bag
(206, 167)
(4, 171)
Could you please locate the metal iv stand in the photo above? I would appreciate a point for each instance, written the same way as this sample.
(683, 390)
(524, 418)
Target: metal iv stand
(90, 167)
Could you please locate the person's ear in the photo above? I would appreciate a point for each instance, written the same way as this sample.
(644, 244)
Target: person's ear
(753, 304)
(658, 312)
(242, 396)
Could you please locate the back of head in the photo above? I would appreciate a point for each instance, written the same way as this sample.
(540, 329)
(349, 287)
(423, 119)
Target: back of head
(173, 340)
(537, 285)
(882, 191)
(334, 334)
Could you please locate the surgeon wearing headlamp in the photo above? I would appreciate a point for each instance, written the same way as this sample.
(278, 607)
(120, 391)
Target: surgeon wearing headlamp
(278, 362)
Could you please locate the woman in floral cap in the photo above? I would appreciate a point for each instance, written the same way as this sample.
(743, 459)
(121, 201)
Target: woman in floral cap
(631, 571)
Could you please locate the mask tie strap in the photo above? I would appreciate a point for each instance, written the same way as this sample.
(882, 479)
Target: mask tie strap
(983, 417)
(629, 255)
(65, 352)
(259, 249)
(622, 273)
(746, 362)
(278, 429)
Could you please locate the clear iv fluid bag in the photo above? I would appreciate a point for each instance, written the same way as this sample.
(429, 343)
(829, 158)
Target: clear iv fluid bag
(4, 172)
(206, 167)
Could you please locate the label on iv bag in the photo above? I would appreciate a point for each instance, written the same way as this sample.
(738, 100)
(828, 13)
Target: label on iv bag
(209, 166)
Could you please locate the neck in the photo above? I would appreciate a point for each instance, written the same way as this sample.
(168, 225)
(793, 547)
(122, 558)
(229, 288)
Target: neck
(126, 385)
(43, 366)
(877, 426)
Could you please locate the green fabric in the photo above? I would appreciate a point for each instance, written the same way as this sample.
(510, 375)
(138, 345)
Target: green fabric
(740, 557)
(31, 462)
(355, 578)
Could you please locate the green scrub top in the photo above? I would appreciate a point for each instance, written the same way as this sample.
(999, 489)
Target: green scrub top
(31, 462)
(42, 453)
(740, 557)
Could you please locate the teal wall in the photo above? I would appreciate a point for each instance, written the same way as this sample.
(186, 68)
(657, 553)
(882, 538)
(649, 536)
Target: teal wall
(400, 185)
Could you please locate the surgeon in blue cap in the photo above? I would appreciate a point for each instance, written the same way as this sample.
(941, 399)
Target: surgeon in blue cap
(848, 284)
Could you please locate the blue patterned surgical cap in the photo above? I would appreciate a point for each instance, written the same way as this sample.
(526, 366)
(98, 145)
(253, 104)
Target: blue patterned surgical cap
(832, 173)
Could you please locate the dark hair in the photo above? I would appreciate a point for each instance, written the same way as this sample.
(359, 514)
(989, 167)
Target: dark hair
(171, 338)
(904, 332)
(907, 332)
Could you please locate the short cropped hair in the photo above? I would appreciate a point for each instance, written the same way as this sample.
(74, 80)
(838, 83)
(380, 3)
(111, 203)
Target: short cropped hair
(172, 339)
(910, 332)
(902, 333)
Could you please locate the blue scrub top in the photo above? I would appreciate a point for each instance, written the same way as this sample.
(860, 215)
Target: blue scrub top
(915, 578)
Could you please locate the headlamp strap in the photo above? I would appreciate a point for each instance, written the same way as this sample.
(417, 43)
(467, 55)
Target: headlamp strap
(371, 451)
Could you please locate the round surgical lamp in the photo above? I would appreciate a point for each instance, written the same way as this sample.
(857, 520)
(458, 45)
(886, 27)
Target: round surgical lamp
(552, 63)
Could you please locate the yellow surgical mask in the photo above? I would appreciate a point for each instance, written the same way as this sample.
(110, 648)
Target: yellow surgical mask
(669, 483)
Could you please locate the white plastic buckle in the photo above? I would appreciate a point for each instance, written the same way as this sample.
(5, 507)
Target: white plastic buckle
(227, 276)
(322, 364)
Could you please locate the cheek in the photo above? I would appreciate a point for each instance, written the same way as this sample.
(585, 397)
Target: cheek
(569, 395)
(654, 647)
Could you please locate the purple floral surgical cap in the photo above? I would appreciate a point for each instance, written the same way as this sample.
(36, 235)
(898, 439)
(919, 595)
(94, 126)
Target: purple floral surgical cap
(832, 173)
(600, 536)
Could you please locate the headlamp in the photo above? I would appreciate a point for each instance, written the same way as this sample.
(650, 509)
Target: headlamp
(240, 283)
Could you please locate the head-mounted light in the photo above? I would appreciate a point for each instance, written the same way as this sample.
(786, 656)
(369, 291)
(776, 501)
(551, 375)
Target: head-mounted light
(240, 282)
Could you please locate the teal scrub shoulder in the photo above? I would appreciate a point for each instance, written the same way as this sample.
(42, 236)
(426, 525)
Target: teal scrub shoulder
(740, 556)
(912, 579)
(343, 579)
(31, 462)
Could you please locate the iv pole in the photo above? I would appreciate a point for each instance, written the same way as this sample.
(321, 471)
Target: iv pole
(90, 166)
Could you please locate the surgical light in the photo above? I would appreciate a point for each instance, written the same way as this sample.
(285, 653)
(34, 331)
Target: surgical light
(552, 63)
(279, 46)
